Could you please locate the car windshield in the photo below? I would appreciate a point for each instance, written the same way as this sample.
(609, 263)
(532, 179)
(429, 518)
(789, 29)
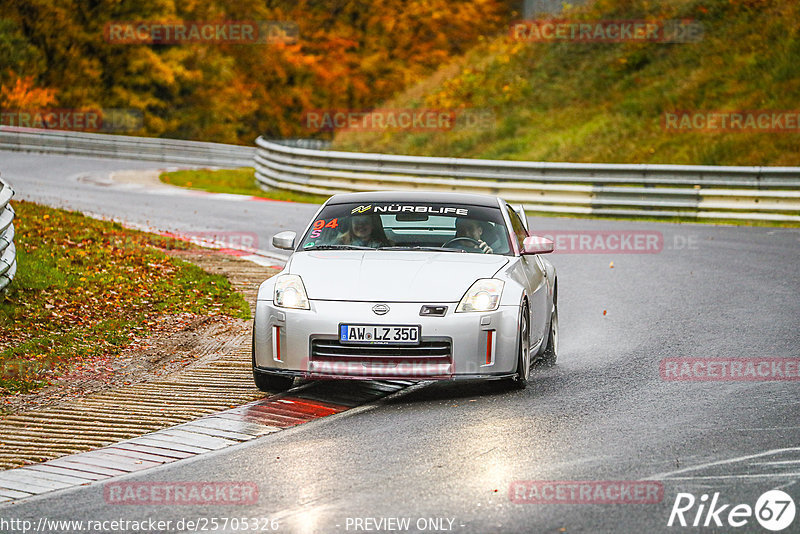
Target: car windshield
(417, 226)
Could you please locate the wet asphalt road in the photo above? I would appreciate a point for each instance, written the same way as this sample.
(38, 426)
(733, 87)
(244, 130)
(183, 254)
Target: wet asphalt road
(71, 182)
(452, 450)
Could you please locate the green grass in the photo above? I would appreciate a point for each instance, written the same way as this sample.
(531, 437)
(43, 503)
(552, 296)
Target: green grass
(85, 287)
(237, 181)
(604, 102)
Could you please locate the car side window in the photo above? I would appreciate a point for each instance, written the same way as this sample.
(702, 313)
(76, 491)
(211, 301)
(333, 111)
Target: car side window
(517, 226)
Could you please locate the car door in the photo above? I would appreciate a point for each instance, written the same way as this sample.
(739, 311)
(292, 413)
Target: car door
(536, 277)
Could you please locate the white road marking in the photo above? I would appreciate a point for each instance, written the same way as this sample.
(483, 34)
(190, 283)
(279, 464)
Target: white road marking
(711, 477)
(780, 462)
(670, 474)
(784, 486)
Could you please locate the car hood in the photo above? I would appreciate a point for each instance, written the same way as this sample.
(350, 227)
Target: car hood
(394, 276)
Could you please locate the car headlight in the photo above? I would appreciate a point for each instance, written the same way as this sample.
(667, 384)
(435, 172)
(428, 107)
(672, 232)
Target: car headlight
(482, 296)
(290, 292)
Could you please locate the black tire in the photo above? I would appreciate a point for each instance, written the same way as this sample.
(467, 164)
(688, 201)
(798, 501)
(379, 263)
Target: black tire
(272, 383)
(550, 354)
(520, 381)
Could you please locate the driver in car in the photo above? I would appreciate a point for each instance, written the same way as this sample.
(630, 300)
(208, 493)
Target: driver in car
(471, 229)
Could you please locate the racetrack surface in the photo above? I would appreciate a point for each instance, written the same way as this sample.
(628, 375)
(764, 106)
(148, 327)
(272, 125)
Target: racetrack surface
(452, 450)
(74, 182)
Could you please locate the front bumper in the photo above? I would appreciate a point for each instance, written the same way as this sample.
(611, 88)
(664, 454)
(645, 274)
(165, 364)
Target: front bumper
(457, 345)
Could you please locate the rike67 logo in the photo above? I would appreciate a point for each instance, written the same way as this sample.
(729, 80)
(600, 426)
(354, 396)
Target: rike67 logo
(774, 510)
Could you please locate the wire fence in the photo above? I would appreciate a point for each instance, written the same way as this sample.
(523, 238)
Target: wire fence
(8, 252)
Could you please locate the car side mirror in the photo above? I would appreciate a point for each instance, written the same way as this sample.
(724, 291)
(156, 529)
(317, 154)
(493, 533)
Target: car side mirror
(284, 240)
(537, 245)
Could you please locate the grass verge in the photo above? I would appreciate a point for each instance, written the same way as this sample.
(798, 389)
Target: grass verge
(238, 181)
(85, 287)
(608, 102)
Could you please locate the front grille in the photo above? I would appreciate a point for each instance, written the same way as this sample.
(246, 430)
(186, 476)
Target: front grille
(428, 351)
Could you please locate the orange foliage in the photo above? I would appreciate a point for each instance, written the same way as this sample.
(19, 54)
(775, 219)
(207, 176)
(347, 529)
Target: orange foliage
(22, 95)
(348, 54)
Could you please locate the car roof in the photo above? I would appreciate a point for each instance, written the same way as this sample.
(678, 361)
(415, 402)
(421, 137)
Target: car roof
(416, 196)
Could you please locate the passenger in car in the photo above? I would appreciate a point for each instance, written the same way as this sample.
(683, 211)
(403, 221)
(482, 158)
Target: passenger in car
(364, 230)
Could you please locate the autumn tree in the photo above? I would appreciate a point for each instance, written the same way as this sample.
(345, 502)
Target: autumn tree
(350, 54)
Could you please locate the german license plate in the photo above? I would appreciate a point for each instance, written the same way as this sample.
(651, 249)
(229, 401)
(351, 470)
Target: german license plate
(379, 334)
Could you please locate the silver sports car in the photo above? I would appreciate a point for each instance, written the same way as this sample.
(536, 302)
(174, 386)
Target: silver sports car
(412, 285)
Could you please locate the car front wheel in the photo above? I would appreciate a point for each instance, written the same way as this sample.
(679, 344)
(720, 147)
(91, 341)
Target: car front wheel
(550, 354)
(524, 354)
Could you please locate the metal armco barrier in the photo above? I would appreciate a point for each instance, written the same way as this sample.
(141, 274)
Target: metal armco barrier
(126, 147)
(624, 190)
(8, 253)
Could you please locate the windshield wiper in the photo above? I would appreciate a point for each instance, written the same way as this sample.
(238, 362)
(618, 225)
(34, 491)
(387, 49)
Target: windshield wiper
(338, 247)
(417, 247)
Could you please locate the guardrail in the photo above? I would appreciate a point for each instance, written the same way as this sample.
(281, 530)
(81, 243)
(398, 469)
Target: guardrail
(126, 147)
(624, 190)
(8, 253)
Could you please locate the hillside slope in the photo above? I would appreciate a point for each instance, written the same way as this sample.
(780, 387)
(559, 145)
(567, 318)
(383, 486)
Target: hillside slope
(605, 102)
